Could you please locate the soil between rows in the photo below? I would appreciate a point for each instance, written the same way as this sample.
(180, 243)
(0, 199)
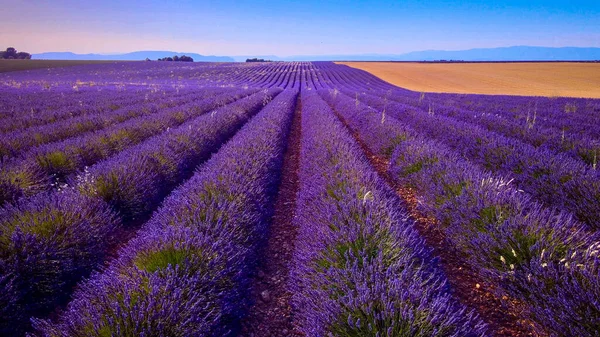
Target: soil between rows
(271, 312)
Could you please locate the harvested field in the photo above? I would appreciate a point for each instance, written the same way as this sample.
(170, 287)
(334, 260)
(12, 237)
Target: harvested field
(569, 79)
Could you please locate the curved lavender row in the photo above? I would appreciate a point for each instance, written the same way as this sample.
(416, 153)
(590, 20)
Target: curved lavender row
(580, 147)
(360, 267)
(577, 146)
(501, 231)
(132, 183)
(575, 115)
(554, 179)
(582, 113)
(36, 169)
(563, 134)
(14, 143)
(186, 273)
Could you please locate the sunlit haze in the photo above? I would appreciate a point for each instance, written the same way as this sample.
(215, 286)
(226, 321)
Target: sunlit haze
(286, 28)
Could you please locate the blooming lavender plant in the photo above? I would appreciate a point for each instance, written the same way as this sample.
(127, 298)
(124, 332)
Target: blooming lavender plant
(187, 272)
(552, 178)
(564, 294)
(38, 169)
(360, 267)
(136, 180)
(14, 143)
(505, 234)
(46, 245)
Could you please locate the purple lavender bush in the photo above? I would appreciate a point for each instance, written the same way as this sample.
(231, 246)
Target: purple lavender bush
(132, 183)
(47, 244)
(361, 269)
(136, 180)
(564, 294)
(553, 178)
(187, 272)
(47, 166)
(503, 233)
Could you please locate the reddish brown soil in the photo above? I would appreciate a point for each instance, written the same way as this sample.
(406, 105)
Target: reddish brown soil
(467, 286)
(272, 316)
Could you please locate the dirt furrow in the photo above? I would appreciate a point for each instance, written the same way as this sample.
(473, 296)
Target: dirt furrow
(271, 312)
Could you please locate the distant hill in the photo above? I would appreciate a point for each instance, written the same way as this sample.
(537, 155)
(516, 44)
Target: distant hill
(518, 53)
(134, 56)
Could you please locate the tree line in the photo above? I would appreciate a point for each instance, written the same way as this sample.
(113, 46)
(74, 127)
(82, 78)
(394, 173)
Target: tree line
(12, 54)
(257, 60)
(177, 59)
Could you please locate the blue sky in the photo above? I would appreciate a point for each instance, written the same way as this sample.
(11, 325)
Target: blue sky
(284, 28)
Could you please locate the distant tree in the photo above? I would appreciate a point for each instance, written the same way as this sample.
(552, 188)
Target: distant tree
(23, 56)
(177, 59)
(11, 54)
(10, 51)
(257, 60)
(148, 60)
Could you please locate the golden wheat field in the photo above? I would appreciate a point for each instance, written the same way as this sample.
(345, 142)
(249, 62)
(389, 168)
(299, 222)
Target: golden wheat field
(531, 79)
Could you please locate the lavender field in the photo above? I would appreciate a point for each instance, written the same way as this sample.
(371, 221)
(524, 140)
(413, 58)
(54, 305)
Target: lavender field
(292, 199)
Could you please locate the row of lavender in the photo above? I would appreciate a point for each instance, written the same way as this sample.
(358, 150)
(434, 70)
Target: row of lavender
(46, 166)
(187, 271)
(536, 254)
(574, 115)
(552, 177)
(546, 125)
(52, 240)
(360, 268)
(16, 142)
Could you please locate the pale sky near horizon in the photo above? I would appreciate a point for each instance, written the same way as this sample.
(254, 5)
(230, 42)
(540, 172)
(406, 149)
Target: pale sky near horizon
(284, 28)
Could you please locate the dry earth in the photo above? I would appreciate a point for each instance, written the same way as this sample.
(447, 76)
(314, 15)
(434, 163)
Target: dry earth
(530, 79)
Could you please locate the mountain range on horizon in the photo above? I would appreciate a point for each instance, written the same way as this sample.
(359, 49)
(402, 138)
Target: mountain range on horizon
(516, 53)
(133, 56)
